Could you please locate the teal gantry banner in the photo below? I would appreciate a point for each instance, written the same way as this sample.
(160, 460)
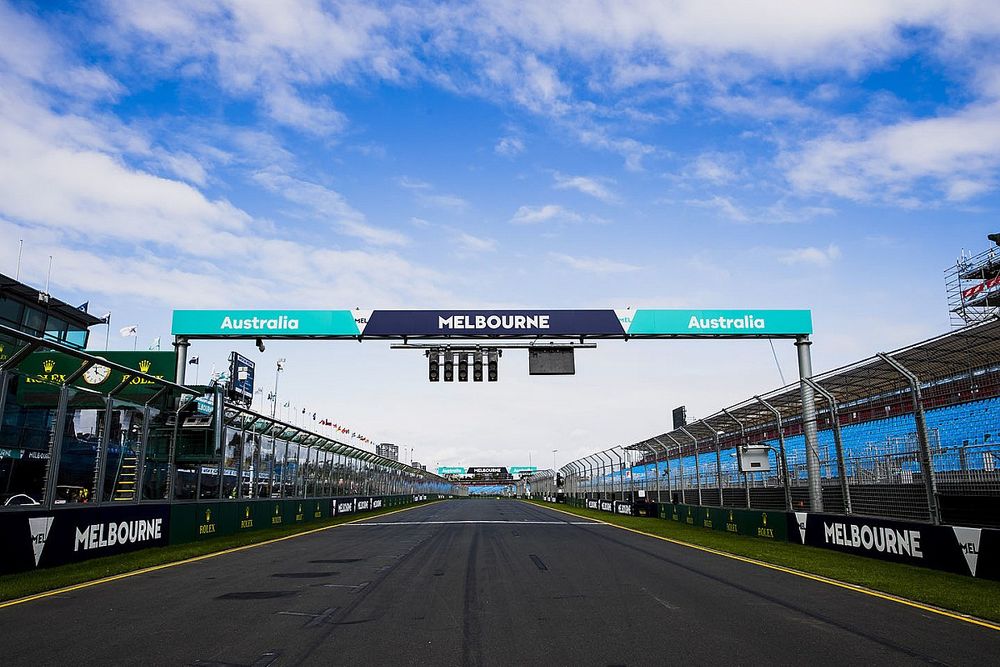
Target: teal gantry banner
(264, 323)
(720, 322)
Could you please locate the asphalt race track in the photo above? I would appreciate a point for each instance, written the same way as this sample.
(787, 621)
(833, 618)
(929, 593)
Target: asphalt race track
(478, 582)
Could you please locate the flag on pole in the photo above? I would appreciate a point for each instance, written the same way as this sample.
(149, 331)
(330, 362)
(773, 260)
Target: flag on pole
(194, 360)
(155, 345)
(83, 306)
(128, 332)
(106, 319)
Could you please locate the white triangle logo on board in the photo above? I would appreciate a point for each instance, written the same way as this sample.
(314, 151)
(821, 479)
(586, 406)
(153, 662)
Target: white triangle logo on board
(362, 318)
(39, 526)
(625, 316)
(968, 540)
(800, 518)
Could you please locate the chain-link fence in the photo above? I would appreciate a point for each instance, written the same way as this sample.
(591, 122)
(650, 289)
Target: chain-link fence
(913, 434)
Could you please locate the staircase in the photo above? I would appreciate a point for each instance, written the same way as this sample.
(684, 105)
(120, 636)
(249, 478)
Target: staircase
(125, 480)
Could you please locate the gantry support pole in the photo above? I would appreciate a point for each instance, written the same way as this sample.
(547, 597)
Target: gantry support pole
(802, 344)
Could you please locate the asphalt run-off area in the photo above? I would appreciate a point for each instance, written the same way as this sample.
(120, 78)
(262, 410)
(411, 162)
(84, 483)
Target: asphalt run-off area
(478, 582)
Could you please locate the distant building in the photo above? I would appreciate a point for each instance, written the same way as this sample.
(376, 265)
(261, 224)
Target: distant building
(418, 465)
(387, 450)
(26, 309)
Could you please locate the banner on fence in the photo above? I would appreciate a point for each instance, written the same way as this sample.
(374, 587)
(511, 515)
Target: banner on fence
(965, 550)
(47, 538)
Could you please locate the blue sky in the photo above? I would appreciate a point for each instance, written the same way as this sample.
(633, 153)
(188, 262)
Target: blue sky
(583, 154)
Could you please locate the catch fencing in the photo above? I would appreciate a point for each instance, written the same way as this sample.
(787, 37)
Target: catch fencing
(913, 434)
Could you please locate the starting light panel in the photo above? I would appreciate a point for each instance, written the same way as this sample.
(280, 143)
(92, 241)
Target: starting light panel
(492, 362)
(463, 367)
(477, 367)
(551, 361)
(433, 365)
(449, 367)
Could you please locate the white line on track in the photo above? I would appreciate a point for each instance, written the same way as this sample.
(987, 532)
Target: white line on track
(432, 523)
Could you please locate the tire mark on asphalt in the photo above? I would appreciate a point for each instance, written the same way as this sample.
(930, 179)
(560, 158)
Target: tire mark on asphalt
(770, 598)
(471, 626)
(538, 562)
(362, 595)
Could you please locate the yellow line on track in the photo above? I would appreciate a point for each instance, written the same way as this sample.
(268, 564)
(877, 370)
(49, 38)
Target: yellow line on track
(797, 573)
(194, 559)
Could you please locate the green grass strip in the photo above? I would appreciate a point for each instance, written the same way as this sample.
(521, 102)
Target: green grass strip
(953, 592)
(22, 584)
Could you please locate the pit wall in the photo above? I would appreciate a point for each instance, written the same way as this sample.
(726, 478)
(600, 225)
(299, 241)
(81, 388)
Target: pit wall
(968, 551)
(35, 539)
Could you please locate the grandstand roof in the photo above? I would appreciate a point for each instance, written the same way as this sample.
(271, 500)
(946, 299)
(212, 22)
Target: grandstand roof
(954, 354)
(240, 417)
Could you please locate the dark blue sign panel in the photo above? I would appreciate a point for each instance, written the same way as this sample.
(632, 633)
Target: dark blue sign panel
(44, 538)
(241, 376)
(465, 323)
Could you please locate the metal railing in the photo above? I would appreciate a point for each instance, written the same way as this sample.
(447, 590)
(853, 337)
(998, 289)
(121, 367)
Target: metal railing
(64, 441)
(913, 434)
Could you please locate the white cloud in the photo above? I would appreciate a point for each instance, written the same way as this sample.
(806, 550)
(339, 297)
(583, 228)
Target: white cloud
(413, 183)
(30, 52)
(468, 243)
(780, 212)
(724, 205)
(587, 185)
(93, 193)
(761, 106)
(425, 195)
(288, 108)
(956, 154)
(632, 150)
(961, 189)
(525, 80)
(276, 52)
(325, 203)
(697, 35)
(185, 166)
(533, 215)
(715, 168)
(593, 264)
(509, 146)
(73, 187)
(821, 257)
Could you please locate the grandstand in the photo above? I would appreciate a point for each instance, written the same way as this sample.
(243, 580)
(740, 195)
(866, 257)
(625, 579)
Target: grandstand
(913, 434)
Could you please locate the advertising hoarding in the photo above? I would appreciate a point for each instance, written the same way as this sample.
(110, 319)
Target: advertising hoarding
(530, 323)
